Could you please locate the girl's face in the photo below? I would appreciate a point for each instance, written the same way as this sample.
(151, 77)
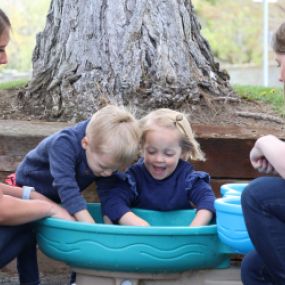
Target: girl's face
(161, 151)
(4, 40)
(102, 165)
(280, 58)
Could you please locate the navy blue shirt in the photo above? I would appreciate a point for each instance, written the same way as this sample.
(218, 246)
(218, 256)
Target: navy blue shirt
(185, 188)
(58, 168)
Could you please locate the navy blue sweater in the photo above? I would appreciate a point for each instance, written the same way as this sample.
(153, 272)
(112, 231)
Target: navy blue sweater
(58, 168)
(183, 189)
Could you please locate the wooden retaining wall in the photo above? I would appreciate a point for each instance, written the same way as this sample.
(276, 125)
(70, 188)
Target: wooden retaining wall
(227, 148)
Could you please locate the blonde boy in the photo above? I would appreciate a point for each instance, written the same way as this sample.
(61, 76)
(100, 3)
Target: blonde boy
(65, 163)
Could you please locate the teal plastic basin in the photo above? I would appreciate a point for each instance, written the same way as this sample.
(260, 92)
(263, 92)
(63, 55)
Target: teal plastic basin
(231, 226)
(232, 189)
(168, 246)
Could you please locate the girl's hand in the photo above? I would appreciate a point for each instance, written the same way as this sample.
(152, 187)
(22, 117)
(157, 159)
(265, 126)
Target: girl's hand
(202, 218)
(130, 219)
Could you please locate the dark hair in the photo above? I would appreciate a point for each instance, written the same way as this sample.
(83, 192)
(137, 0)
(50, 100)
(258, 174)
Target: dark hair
(4, 22)
(278, 43)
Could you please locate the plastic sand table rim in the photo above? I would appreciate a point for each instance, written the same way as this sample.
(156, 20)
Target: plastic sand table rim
(169, 245)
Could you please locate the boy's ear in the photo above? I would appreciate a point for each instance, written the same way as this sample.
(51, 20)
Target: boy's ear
(84, 142)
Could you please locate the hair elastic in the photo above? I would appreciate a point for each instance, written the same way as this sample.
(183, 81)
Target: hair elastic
(27, 192)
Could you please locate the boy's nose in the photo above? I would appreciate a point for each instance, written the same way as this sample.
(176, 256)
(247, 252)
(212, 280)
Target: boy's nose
(159, 157)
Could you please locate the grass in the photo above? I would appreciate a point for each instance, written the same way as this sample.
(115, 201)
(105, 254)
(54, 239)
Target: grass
(13, 84)
(269, 95)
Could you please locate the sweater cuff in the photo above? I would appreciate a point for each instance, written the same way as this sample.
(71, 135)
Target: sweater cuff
(116, 213)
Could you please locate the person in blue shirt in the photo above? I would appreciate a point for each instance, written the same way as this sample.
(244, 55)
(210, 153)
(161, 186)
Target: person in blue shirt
(62, 165)
(162, 179)
(65, 163)
(263, 200)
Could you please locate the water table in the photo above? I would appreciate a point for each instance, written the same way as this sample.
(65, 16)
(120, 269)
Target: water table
(168, 252)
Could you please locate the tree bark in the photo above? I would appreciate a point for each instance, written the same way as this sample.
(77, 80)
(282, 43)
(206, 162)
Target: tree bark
(143, 54)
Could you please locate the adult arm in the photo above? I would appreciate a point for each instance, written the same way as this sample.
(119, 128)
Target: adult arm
(268, 155)
(14, 211)
(17, 192)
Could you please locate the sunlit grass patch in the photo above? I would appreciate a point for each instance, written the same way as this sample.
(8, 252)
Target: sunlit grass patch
(269, 95)
(13, 84)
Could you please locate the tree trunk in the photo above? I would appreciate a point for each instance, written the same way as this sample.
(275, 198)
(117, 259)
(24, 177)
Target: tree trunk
(139, 53)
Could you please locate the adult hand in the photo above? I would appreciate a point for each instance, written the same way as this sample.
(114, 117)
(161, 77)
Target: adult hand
(260, 163)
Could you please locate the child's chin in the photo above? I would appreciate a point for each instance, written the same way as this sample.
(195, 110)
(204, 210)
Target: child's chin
(159, 176)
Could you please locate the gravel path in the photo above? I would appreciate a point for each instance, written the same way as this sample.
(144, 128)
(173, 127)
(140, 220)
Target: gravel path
(6, 279)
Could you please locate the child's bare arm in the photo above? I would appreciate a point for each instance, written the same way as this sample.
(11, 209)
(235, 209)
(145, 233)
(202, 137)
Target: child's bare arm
(84, 216)
(130, 219)
(202, 218)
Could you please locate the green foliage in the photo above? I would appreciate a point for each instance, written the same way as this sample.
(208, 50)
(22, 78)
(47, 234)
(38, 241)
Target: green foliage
(27, 19)
(233, 29)
(268, 95)
(13, 84)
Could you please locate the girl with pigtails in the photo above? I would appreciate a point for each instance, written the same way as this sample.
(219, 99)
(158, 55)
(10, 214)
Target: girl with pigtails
(163, 179)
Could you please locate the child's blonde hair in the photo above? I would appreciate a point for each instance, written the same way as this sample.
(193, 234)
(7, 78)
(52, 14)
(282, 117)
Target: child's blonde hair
(168, 118)
(113, 130)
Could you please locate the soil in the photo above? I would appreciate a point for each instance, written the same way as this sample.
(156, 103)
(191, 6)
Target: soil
(212, 113)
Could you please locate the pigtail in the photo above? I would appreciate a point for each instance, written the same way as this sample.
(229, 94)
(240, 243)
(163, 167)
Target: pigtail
(190, 147)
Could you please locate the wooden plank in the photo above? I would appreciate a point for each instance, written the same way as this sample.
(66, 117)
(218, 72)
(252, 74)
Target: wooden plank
(217, 183)
(227, 158)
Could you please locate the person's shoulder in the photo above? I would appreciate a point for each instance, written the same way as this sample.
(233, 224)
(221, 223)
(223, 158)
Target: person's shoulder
(78, 128)
(69, 138)
(186, 169)
(136, 167)
(74, 132)
(185, 166)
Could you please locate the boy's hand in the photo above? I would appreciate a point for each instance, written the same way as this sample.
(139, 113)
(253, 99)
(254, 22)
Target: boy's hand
(84, 216)
(59, 212)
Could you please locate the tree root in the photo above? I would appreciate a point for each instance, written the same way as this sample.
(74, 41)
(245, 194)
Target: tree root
(260, 116)
(227, 99)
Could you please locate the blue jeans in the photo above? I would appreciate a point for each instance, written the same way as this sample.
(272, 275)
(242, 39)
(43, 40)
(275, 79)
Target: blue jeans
(263, 204)
(20, 242)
